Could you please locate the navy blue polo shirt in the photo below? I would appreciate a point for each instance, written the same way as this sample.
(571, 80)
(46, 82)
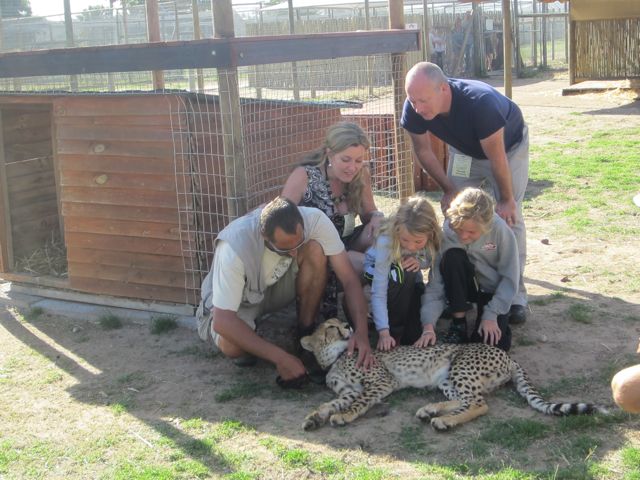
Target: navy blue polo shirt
(477, 111)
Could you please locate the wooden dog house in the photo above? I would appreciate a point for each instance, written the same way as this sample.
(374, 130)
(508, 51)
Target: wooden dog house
(117, 179)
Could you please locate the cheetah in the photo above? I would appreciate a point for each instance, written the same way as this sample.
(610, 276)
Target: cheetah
(464, 373)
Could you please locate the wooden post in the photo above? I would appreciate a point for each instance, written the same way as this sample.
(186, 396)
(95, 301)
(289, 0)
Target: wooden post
(478, 47)
(125, 17)
(294, 65)
(566, 34)
(6, 235)
(534, 34)
(197, 34)
(68, 26)
(572, 50)
(506, 47)
(153, 33)
(543, 36)
(367, 26)
(176, 17)
(231, 117)
(426, 45)
(398, 73)
(516, 29)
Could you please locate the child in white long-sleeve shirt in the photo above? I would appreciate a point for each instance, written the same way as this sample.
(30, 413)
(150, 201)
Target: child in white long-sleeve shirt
(478, 263)
(407, 243)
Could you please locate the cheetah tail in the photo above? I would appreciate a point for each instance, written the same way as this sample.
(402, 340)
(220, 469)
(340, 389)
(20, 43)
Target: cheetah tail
(533, 398)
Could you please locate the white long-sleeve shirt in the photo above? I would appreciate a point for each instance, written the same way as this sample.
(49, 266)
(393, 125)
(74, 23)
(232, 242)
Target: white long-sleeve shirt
(377, 263)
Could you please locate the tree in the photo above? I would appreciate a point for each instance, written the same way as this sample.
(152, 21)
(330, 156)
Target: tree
(94, 12)
(15, 8)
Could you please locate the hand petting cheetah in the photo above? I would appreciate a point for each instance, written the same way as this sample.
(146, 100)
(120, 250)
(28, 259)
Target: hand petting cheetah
(464, 373)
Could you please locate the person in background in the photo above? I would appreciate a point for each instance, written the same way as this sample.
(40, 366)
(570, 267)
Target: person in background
(408, 243)
(477, 263)
(438, 47)
(264, 261)
(335, 179)
(488, 142)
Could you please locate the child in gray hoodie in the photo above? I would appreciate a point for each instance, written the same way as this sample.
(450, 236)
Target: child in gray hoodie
(478, 263)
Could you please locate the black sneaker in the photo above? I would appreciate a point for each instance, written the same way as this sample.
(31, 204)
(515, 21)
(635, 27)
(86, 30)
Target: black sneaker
(456, 334)
(246, 360)
(517, 315)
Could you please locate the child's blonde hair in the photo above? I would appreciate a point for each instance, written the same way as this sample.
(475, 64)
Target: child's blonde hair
(341, 136)
(419, 218)
(471, 204)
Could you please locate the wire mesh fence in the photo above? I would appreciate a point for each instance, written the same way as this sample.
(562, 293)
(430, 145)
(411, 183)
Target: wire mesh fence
(277, 130)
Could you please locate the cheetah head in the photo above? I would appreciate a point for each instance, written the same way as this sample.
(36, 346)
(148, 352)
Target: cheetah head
(328, 341)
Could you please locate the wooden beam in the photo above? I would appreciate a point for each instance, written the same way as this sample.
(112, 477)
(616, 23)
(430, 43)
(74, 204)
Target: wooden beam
(231, 118)
(6, 234)
(58, 289)
(207, 53)
(68, 26)
(406, 187)
(197, 35)
(153, 29)
(573, 56)
(506, 47)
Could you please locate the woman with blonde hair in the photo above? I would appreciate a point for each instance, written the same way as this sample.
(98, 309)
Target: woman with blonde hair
(334, 178)
(407, 244)
(478, 263)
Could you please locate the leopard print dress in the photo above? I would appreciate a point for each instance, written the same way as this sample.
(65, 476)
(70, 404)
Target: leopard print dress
(318, 194)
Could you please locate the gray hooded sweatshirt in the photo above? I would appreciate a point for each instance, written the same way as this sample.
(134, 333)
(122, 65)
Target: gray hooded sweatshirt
(495, 258)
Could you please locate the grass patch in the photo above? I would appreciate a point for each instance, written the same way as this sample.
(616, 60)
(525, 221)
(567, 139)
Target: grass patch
(591, 181)
(33, 314)
(52, 376)
(164, 324)
(8, 455)
(229, 429)
(548, 299)
(515, 434)
(110, 321)
(240, 390)
(411, 439)
(328, 465)
(130, 471)
(525, 341)
(580, 313)
(588, 423)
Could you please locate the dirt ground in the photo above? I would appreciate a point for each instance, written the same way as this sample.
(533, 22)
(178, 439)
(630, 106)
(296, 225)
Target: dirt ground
(170, 378)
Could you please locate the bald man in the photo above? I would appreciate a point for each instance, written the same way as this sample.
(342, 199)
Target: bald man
(488, 143)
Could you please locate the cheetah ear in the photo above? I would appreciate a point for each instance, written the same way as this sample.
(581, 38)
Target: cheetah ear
(306, 343)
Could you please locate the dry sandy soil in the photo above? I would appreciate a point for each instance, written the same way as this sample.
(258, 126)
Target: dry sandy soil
(169, 378)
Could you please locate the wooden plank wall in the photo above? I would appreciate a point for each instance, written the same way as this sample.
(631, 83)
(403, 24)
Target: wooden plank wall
(30, 176)
(118, 195)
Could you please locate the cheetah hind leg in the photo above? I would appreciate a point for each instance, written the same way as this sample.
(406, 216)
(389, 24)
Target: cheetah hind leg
(436, 409)
(463, 415)
(319, 417)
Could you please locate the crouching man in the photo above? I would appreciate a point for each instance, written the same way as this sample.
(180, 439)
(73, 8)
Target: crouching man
(265, 260)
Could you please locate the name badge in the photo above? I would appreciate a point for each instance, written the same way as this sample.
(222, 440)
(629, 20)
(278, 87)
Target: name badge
(461, 165)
